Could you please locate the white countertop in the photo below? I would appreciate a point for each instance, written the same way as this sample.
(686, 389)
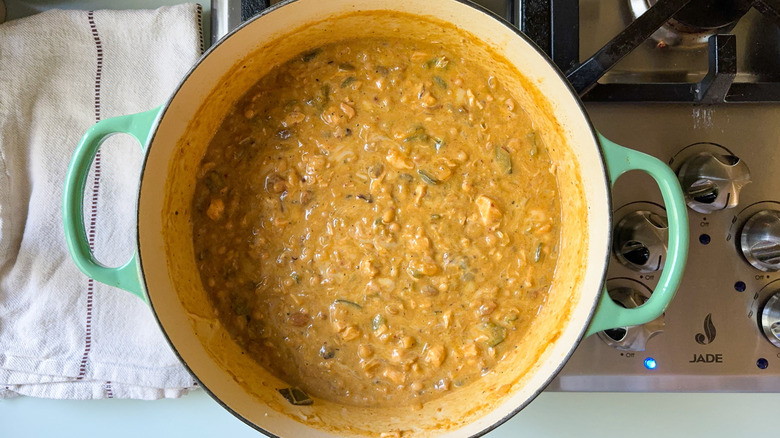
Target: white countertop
(603, 415)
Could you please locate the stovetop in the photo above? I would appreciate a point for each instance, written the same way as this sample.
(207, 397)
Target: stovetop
(711, 337)
(757, 45)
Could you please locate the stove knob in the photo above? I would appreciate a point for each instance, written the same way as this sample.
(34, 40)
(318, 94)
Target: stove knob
(760, 240)
(712, 182)
(632, 338)
(770, 319)
(640, 241)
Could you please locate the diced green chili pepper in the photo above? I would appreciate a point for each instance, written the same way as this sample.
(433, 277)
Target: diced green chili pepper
(347, 81)
(504, 160)
(438, 62)
(440, 82)
(308, 56)
(348, 303)
(495, 333)
(534, 146)
(346, 67)
(511, 317)
(417, 137)
(378, 321)
(418, 134)
(322, 100)
(427, 177)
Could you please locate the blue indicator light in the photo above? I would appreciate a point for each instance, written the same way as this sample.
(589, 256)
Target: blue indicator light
(650, 363)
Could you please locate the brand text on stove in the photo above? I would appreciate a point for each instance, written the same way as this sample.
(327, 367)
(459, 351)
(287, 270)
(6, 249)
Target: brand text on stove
(707, 358)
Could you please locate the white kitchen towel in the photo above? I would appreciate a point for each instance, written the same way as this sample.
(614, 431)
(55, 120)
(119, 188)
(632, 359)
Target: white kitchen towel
(63, 335)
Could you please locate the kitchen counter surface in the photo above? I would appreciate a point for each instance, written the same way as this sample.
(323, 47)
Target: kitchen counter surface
(603, 415)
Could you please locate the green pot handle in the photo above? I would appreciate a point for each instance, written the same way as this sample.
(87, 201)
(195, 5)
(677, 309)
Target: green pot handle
(619, 161)
(126, 276)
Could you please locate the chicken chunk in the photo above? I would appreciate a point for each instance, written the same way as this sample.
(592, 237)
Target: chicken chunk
(489, 212)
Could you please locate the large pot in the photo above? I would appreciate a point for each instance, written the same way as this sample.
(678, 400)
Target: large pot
(174, 138)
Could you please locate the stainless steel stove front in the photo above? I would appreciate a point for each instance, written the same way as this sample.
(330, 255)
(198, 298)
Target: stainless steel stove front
(711, 338)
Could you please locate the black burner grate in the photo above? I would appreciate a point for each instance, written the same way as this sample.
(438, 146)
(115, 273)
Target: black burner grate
(554, 26)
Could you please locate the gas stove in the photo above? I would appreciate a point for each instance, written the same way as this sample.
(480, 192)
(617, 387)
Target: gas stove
(695, 83)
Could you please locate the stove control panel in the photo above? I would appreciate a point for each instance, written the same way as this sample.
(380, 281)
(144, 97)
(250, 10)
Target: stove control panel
(721, 332)
(640, 239)
(770, 319)
(711, 177)
(759, 240)
(630, 294)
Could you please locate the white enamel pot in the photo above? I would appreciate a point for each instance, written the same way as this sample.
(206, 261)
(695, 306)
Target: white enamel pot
(174, 138)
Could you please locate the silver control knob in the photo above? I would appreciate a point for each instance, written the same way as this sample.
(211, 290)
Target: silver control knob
(760, 240)
(640, 241)
(712, 182)
(770, 319)
(632, 338)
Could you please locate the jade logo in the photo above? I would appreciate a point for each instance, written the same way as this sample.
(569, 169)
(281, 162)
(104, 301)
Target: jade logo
(709, 331)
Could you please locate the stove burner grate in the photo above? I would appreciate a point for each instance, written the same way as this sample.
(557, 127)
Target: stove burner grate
(554, 25)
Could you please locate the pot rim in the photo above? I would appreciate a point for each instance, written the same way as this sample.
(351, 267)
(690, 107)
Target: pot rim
(560, 76)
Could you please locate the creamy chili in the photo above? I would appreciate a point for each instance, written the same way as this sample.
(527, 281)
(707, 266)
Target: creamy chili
(376, 222)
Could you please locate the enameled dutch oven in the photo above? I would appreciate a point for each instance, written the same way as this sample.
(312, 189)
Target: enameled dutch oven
(174, 137)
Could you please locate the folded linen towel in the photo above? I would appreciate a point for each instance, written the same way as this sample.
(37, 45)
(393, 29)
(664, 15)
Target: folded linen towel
(63, 335)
